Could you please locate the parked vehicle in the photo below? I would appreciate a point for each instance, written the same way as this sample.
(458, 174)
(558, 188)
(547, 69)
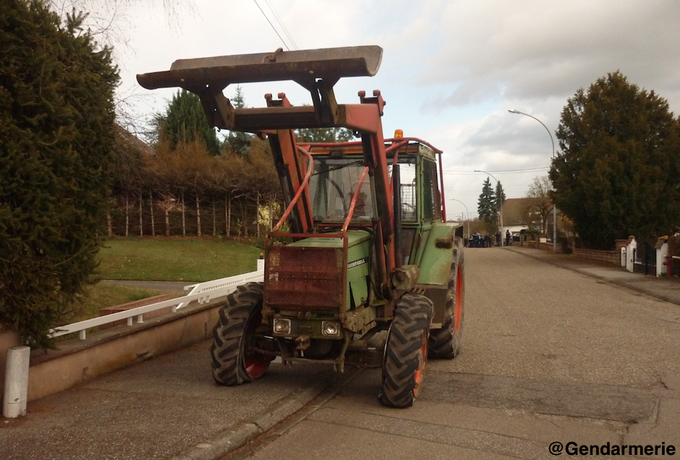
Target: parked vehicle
(374, 274)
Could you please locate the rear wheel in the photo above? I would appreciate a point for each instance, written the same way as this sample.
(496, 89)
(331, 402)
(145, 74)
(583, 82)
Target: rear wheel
(237, 336)
(445, 343)
(406, 351)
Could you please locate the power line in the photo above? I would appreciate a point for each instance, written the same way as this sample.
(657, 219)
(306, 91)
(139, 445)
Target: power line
(502, 171)
(283, 27)
(511, 171)
(272, 25)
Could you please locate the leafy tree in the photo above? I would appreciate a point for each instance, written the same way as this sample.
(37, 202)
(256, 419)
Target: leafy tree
(487, 205)
(261, 179)
(56, 136)
(324, 135)
(184, 122)
(539, 200)
(618, 172)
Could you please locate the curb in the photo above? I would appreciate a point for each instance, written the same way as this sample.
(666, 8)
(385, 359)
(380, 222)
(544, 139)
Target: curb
(227, 441)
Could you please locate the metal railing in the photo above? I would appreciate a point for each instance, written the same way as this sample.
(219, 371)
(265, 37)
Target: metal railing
(201, 292)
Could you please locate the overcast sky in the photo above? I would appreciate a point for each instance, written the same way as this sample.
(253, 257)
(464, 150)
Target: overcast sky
(451, 69)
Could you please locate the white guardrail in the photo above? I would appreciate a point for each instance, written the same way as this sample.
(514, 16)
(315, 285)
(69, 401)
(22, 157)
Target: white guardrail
(202, 292)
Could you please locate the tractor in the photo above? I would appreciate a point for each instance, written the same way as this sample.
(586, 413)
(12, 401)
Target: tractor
(362, 269)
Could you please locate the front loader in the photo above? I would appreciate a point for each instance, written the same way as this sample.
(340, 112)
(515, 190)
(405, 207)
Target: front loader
(369, 272)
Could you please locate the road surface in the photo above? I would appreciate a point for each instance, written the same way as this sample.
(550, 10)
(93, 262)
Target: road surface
(550, 356)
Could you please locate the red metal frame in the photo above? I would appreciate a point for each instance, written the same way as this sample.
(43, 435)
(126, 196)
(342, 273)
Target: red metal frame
(353, 202)
(302, 189)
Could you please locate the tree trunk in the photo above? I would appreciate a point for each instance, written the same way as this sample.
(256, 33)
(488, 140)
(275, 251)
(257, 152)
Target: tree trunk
(198, 215)
(109, 224)
(214, 218)
(153, 223)
(244, 214)
(271, 215)
(167, 221)
(184, 217)
(227, 214)
(141, 219)
(257, 214)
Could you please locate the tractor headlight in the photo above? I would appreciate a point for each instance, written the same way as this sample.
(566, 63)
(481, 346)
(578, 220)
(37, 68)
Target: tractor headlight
(330, 328)
(281, 326)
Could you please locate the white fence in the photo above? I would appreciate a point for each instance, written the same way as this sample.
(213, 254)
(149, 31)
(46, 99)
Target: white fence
(201, 292)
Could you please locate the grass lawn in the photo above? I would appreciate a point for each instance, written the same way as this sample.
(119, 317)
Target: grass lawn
(174, 259)
(102, 295)
(159, 259)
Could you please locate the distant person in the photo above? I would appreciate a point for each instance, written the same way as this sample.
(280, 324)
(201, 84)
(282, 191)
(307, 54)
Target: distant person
(507, 237)
(498, 238)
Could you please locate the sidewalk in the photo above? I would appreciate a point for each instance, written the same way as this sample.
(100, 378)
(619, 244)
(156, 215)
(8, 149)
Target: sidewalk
(661, 288)
(165, 408)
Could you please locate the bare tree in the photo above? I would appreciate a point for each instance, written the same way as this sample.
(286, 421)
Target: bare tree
(540, 202)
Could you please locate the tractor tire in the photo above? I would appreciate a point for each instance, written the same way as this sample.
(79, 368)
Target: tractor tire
(445, 343)
(406, 351)
(234, 359)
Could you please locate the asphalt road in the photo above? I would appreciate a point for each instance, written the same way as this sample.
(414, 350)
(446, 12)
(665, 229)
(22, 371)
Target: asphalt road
(550, 355)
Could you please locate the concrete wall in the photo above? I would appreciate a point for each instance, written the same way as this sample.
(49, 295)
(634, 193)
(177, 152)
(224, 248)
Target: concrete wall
(549, 247)
(107, 350)
(613, 257)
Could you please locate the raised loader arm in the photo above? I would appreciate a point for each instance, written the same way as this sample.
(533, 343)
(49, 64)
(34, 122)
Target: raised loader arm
(316, 70)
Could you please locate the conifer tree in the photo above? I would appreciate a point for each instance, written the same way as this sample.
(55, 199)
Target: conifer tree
(618, 172)
(184, 122)
(500, 195)
(238, 141)
(487, 207)
(56, 136)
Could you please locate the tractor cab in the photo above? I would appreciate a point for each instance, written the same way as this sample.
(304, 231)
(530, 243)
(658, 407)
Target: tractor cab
(332, 187)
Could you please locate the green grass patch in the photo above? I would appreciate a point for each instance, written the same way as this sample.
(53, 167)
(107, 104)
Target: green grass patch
(170, 259)
(102, 295)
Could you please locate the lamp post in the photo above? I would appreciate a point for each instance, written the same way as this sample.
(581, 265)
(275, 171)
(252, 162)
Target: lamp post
(552, 141)
(500, 205)
(468, 215)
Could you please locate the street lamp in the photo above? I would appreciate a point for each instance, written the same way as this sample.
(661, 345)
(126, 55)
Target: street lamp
(517, 112)
(468, 215)
(500, 205)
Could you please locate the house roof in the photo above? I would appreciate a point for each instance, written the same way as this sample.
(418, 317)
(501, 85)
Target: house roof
(127, 142)
(515, 211)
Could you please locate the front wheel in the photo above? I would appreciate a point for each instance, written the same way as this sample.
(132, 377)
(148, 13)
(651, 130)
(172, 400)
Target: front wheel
(237, 337)
(406, 351)
(445, 343)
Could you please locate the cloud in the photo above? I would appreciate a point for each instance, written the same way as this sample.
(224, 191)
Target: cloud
(531, 49)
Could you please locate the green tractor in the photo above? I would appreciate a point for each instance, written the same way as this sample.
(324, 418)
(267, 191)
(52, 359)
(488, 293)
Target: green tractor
(368, 272)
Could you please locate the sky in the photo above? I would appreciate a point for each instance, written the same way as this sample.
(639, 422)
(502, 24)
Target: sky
(450, 70)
